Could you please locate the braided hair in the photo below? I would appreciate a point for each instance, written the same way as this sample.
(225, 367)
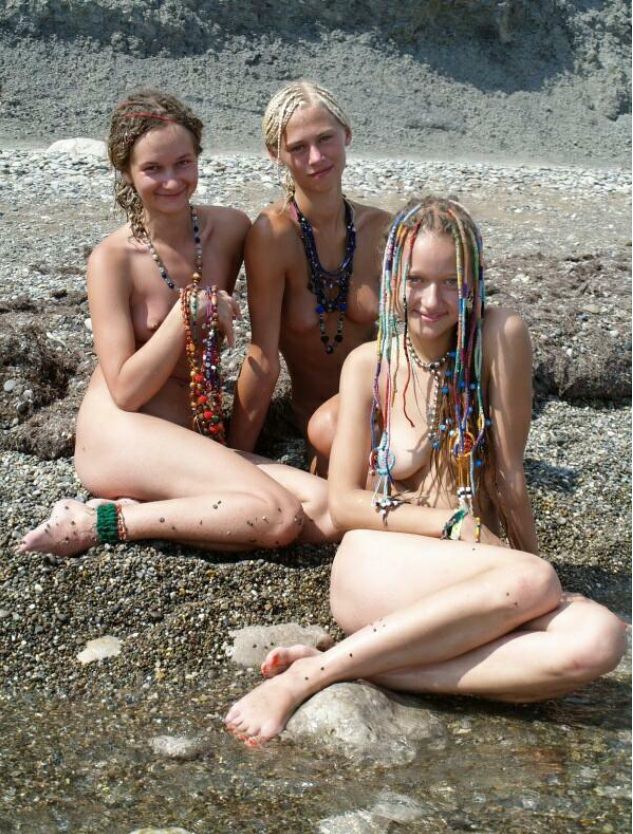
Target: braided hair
(280, 109)
(462, 418)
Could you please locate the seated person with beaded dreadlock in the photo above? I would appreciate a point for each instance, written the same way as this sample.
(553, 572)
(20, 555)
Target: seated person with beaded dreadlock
(159, 292)
(430, 599)
(313, 271)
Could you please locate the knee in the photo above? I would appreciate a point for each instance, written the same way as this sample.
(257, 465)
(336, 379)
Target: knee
(282, 520)
(320, 431)
(530, 587)
(344, 603)
(595, 646)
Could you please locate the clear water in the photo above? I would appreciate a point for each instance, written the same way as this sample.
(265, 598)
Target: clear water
(88, 767)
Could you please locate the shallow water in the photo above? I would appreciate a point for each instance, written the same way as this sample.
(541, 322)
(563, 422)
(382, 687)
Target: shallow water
(88, 767)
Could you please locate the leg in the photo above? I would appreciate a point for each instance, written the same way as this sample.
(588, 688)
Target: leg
(311, 492)
(193, 489)
(546, 658)
(426, 601)
(320, 433)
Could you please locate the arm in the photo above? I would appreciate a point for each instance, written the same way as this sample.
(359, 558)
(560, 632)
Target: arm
(133, 376)
(350, 502)
(508, 355)
(260, 369)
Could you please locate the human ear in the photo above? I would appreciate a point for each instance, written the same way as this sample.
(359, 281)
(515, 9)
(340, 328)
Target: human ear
(272, 154)
(348, 137)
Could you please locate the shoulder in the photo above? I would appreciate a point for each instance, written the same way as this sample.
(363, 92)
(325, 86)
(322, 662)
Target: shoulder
(361, 359)
(503, 324)
(273, 224)
(373, 219)
(232, 223)
(113, 252)
(507, 349)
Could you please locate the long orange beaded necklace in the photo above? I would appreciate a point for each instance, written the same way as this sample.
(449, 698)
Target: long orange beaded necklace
(202, 344)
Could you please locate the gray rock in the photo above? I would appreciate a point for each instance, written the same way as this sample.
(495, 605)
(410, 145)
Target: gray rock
(178, 747)
(391, 807)
(362, 722)
(79, 146)
(252, 644)
(99, 649)
(160, 831)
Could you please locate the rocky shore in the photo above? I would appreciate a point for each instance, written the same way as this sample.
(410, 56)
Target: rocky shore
(558, 249)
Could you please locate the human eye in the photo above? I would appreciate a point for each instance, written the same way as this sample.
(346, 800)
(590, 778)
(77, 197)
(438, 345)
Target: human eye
(325, 137)
(451, 282)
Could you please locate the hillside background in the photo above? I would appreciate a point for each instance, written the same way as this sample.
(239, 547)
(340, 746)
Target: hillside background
(512, 80)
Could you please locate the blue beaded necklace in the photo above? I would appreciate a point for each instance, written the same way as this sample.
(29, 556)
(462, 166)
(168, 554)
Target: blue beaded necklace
(330, 287)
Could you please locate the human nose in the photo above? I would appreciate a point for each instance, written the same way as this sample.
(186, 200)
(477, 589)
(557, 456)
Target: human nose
(315, 154)
(170, 178)
(431, 294)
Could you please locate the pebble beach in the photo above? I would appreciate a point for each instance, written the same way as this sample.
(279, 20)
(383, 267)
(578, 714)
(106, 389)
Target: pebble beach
(173, 608)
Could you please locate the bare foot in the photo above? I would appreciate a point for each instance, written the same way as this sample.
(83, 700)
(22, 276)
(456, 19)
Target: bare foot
(281, 658)
(70, 530)
(264, 712)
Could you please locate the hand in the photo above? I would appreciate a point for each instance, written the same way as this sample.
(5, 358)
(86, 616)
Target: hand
(468, 533)
(228, 311)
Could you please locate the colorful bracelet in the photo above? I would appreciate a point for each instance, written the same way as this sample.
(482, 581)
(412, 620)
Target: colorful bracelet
(453, 527)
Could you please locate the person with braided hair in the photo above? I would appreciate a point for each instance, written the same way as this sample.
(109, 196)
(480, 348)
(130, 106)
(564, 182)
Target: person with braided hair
(431, 599)
(313, 269)
(159, 290)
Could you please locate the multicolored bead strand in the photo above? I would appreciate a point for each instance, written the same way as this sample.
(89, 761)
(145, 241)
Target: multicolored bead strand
(203, 356)
(330, 287)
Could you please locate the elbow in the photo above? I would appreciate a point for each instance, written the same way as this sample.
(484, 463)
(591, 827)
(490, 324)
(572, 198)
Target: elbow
(264, 367)
(124, 400)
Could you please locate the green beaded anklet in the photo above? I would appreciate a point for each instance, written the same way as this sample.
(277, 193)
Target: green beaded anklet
(107, 524)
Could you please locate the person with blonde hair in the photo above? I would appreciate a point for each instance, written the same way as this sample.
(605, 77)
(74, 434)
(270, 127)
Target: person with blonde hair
(430, 599)
(312, 262)
(150, 427)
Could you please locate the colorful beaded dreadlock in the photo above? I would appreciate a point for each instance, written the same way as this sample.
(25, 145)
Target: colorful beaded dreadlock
(462, 419)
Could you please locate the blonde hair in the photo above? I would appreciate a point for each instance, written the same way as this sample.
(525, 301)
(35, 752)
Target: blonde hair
(282, 106)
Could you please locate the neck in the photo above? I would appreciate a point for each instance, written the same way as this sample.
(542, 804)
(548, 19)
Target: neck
(322, 210)
(168, 227)
(430, 350)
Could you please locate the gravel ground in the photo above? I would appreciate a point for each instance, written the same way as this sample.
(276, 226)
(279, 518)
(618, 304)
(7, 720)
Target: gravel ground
(173, 606)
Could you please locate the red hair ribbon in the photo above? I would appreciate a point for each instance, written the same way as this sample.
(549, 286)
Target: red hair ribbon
(141, 114)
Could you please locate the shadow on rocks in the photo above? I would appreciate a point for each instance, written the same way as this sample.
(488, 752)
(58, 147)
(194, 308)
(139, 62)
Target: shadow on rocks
(38, 404)
(577, 314)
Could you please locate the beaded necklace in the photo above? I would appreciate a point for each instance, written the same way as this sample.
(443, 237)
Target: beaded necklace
(197, 240)
(433, 406)
(462, 433)
(330, 287)
(203, 356)
(202, 343)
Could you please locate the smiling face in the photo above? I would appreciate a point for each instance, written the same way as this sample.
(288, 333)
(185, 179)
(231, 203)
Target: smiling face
(432, 295)
(163, 168)
(313, 148)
